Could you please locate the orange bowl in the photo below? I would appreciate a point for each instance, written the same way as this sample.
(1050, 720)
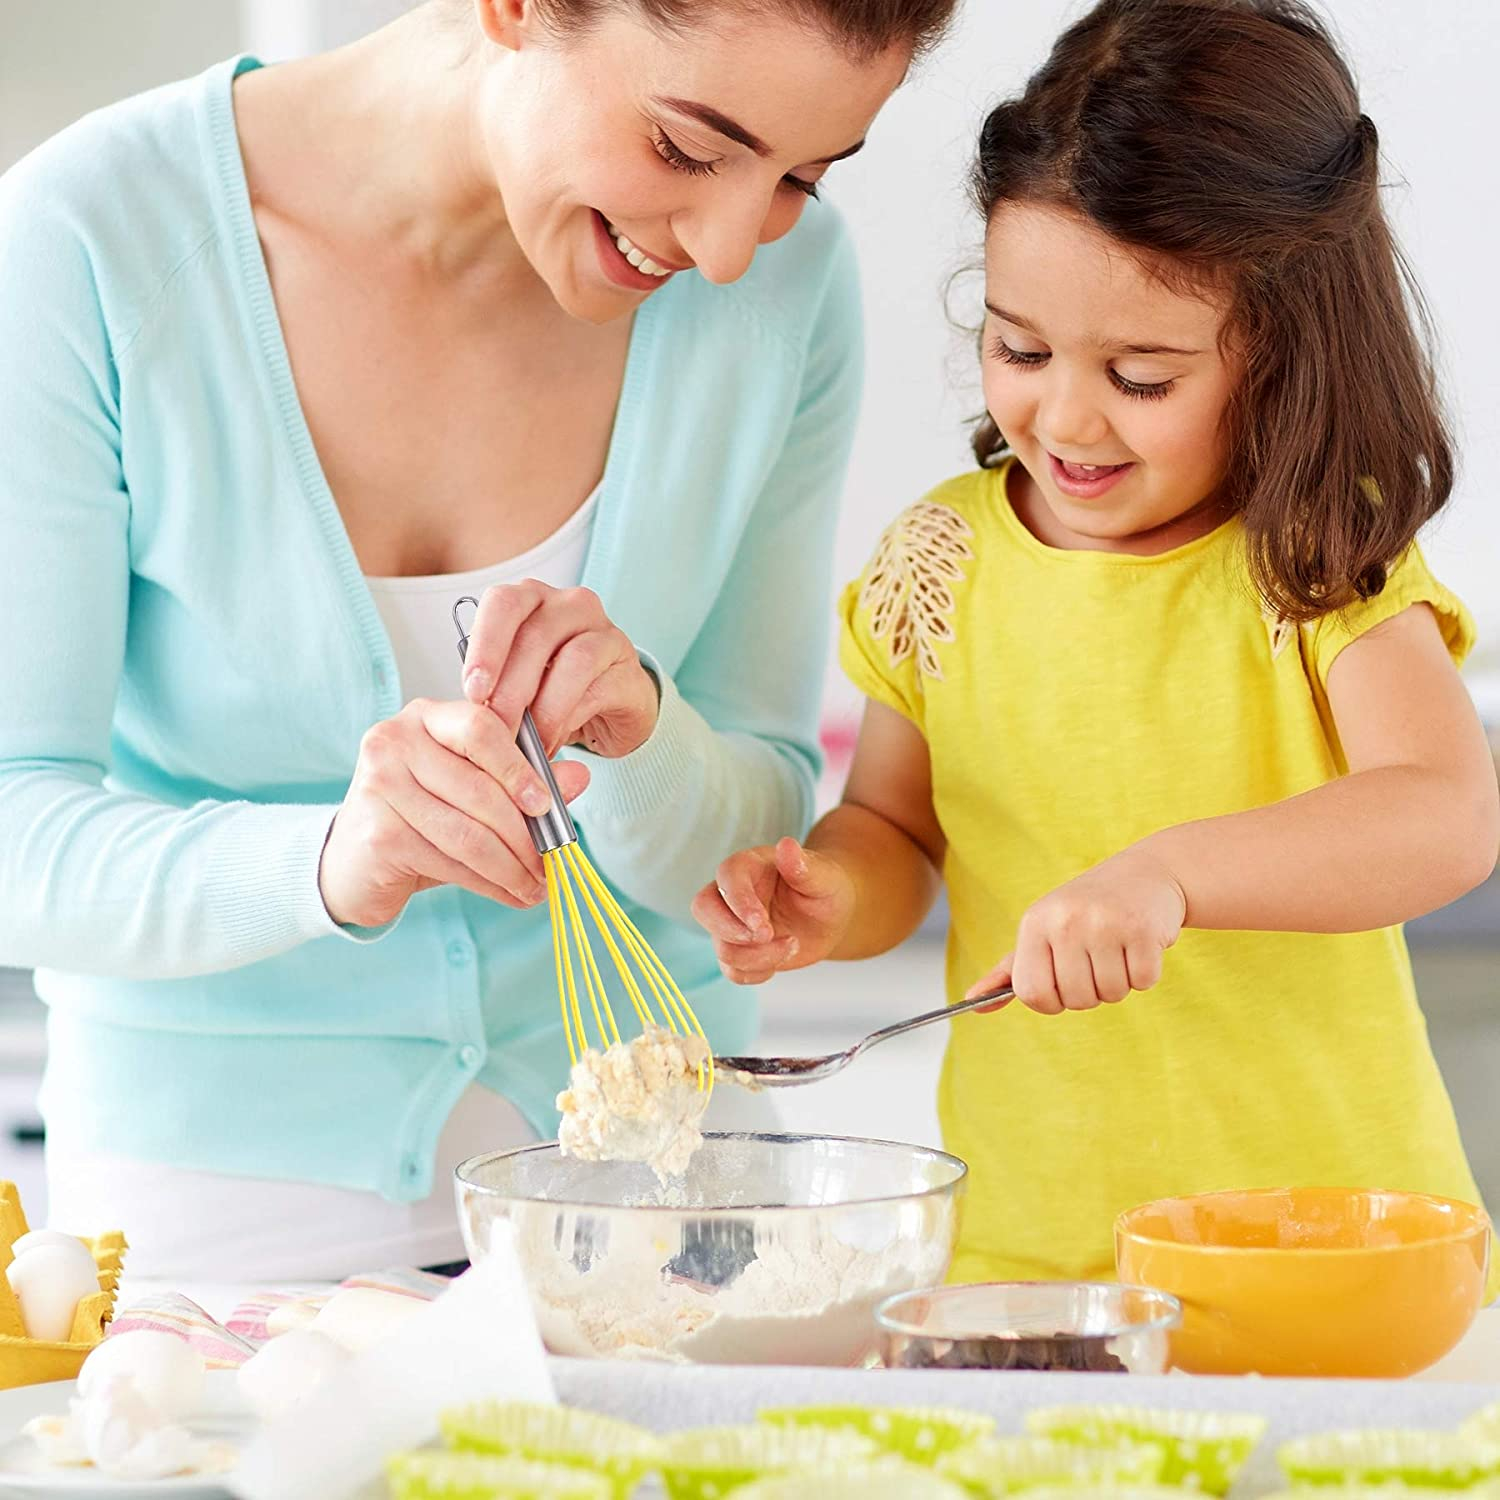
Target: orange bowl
(1310, 1281)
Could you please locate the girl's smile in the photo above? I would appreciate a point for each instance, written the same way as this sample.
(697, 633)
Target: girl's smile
(1086, 481)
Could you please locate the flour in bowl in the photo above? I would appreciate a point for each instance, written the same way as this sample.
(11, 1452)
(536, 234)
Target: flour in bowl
(805, 1293)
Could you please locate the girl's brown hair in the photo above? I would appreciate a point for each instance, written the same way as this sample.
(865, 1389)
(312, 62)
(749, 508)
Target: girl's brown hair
(866, 27)
(1222, 140)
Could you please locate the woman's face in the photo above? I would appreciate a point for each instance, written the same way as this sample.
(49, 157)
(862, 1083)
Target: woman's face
(1110, 386)
(623, 152)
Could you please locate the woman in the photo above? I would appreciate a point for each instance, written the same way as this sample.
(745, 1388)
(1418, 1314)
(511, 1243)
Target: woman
(290, 359)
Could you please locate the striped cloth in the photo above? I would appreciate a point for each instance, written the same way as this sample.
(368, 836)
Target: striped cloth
(227, 1345)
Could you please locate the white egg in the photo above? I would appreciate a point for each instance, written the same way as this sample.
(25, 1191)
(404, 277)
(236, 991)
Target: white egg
(287, 1370)
(359, 1317)
(167, 1371)
(49, 1282)
(69, 1242)
(291, 1315)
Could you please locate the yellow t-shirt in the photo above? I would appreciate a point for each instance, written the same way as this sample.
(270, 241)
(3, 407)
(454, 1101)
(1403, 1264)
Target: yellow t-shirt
(1073, 703)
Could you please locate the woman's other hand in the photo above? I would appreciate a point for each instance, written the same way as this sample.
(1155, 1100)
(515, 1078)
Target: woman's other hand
(1095, 939)
(437, 798)
(556, 652)
(772, 909)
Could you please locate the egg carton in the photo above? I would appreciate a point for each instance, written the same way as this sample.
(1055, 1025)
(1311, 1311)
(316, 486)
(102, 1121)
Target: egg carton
(25, 1361)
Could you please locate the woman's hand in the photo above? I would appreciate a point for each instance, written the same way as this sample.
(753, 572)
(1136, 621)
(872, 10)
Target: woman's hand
(556, 652)
(1095, 939)
(775, 908)
(437, 798)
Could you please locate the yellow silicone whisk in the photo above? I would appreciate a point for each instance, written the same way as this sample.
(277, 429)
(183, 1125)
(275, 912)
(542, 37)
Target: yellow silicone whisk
(573, 888)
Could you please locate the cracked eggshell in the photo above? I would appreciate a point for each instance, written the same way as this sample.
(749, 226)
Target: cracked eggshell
(167, 1371)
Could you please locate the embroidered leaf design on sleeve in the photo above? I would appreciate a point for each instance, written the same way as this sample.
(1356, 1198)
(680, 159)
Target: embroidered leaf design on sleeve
(908, 585)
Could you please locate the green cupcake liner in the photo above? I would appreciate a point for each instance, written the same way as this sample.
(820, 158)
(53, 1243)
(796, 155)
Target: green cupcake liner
(1392, 1491)
(1431, 1460)
(1009, 1465)
(887, 1480)
(482, 1476)
(1107, 1492)
(1204, 1450)
(1484, 1425)
(714, 1461)
(556, 1434)
(921, 1434)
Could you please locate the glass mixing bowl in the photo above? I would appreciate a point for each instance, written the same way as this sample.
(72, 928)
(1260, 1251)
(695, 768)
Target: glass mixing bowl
(772, 1249)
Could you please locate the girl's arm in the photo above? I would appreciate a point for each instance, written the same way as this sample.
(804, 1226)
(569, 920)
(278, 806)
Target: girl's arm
(866, 878)
(1413, 825)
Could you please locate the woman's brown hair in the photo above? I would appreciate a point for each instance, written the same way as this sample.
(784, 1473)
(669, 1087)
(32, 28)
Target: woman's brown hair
(866, 27)
(1223, 141)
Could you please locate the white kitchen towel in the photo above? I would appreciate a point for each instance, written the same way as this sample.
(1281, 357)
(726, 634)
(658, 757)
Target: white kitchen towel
(477, 1341)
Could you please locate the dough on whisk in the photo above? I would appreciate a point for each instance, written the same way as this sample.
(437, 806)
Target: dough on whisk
(638, 1101)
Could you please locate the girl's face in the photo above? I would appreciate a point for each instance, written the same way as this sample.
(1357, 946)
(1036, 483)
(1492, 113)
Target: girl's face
(1110, 386)
(622, 153)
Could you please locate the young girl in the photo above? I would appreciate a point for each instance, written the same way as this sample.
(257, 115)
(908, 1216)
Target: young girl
(1165, 692)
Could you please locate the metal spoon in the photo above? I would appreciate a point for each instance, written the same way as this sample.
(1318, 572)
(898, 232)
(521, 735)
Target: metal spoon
(786, 1072)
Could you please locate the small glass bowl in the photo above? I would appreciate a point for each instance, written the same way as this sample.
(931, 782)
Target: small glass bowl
(1075, 1326)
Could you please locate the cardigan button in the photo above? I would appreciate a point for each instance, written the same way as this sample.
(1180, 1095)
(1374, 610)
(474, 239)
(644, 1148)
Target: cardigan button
(470, 1056)
(459, 953)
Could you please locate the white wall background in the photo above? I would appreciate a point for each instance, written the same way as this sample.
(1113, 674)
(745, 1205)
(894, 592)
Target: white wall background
(1428, 76)
(62, 58)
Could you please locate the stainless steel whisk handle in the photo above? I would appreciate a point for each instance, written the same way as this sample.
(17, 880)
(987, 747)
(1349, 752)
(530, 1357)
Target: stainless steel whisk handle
(555, 827)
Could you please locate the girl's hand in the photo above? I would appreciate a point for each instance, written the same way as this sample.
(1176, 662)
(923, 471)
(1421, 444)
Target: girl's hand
(1095, 939)
(774, 909)
(437, 798)
(555, 652)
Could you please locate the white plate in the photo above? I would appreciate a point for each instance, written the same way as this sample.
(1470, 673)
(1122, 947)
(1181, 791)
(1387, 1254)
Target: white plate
(24, 1474)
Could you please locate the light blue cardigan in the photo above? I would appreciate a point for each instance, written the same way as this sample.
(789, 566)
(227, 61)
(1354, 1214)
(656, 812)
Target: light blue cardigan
(189, 656)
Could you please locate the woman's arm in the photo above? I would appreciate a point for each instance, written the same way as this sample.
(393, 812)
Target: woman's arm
(868, 875)
(90, 879)
(1413, 825)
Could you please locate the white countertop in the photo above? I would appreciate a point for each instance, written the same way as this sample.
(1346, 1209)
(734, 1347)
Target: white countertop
(1476, 1360)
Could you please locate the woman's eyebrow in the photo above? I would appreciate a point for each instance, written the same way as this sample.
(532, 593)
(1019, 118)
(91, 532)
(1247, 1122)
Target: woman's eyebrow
(1019, 322)
(732, 130)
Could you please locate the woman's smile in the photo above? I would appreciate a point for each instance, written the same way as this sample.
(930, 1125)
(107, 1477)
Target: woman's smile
(624, 262)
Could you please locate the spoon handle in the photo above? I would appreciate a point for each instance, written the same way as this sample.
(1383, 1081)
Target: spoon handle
(910, 1024)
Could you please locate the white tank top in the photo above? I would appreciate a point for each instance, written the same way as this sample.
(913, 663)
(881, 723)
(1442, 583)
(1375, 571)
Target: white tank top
(205, 1225)
(418, 612)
